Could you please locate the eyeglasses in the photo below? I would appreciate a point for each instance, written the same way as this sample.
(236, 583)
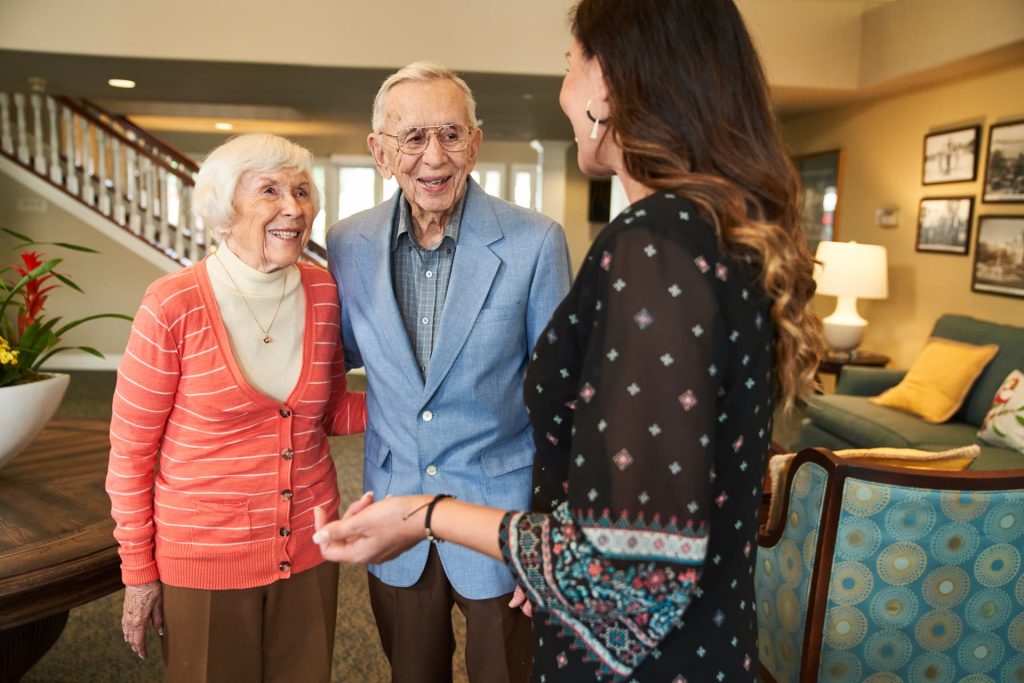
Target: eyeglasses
(453, 137)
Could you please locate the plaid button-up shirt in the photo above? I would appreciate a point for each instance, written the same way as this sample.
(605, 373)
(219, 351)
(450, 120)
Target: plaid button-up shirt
(420, 279)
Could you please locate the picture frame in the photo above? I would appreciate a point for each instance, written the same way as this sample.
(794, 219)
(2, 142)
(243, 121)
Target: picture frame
(999, 256)
(951, 156)
(944, 225)
(1004, 164)
(821, 177)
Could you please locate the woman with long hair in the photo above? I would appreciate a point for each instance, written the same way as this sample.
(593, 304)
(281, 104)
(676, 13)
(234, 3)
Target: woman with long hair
(652, 391)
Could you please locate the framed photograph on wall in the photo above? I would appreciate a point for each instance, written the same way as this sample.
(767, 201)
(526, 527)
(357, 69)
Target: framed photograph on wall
(944, 224)
(999, 256)
(1004, 169)
(951, 156)
(821, 177)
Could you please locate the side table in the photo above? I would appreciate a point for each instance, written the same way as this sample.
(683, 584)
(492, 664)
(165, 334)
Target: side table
(833, 362)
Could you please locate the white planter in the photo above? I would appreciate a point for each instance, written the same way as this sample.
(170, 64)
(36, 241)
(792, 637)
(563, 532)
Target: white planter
(24, 411)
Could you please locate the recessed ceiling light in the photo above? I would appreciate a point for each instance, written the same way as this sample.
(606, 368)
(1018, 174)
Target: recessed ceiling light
(223, 125)
(527, 96)
(121, 83)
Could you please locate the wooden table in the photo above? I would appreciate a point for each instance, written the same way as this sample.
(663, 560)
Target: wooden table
(57, 549)
(833, 362)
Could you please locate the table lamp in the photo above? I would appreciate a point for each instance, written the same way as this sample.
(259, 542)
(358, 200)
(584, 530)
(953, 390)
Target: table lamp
(849, 271)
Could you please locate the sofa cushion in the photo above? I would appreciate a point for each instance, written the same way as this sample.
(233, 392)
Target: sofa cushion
(1004, 423)
(1010, 340)
(938, 382)
(858, 421)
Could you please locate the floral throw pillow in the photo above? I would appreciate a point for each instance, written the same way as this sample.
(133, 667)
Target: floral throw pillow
(1004, 423)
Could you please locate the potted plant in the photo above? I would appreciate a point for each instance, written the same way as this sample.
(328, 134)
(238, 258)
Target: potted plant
(29, 396)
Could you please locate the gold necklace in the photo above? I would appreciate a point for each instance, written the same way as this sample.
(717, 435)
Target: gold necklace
(265, 330)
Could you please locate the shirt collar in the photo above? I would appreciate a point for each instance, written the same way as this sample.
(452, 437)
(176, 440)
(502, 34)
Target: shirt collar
(404, 222)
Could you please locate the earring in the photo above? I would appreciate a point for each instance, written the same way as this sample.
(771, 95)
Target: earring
(597, 122)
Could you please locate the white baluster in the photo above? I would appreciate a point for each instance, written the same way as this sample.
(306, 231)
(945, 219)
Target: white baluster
(101, 151)
(6, 141)
(184, 202)
(39, 161)
(132, 173)
(69, 152)
(88, 191)
(165, 233)
(117, 167)
(19, 110)
(55, 171)
(149, 220)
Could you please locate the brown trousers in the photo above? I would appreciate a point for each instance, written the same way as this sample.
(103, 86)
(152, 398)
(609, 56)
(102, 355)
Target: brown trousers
(415, 627)
(280, 632)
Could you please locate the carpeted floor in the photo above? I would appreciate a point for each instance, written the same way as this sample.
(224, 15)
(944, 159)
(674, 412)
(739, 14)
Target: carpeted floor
(91, 648)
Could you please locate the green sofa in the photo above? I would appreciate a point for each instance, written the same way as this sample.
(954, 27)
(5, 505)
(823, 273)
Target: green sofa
(846, 419)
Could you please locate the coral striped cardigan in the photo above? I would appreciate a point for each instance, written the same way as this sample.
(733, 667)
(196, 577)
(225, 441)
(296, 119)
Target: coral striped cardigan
(213, 484)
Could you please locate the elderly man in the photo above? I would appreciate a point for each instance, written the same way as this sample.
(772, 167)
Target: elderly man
(444, 291)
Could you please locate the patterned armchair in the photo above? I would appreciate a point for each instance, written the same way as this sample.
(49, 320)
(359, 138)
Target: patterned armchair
(882, 574)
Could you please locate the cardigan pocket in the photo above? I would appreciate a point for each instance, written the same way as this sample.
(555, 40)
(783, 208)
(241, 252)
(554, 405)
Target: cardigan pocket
(222, 521)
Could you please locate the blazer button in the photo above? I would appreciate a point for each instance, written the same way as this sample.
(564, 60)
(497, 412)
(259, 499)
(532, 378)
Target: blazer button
(427, 416)
(287, 454)
(431, 470)
(286, 494)
(284, 531)
(284, 566)
(285, 412)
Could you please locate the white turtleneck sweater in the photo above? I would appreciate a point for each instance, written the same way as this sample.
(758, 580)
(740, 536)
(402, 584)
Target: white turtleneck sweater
(273, 369)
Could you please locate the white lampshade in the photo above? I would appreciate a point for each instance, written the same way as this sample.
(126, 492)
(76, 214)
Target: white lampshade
(849, 271)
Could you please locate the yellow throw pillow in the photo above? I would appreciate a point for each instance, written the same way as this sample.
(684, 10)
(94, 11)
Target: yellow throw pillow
(939, 380)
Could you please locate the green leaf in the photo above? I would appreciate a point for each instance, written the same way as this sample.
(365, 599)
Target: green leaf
(24, 238)
(998, 433)
(60, 349)
(73, 247)
(66, 280)
(72, 325)
(1020, 420)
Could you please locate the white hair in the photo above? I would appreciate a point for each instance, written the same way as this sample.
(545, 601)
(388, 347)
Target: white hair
(213, 198)
(421, 72)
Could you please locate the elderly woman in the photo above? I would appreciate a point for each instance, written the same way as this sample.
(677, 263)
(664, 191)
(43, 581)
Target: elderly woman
(231, 382)
(652, 390)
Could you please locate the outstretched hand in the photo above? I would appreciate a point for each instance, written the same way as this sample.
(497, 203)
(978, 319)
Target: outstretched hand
(370, 531)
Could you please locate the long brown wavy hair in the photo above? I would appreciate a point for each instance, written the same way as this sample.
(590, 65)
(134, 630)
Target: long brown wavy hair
(690, 110)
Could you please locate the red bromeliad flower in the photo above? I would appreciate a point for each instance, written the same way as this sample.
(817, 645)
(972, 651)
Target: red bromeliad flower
(34, 294)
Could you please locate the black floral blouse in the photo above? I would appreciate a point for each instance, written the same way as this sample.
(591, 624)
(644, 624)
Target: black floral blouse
(650, 397)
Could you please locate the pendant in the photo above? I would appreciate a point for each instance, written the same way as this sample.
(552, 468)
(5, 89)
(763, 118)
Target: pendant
(267, 339)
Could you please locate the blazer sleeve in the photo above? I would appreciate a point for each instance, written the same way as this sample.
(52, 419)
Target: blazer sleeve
(551, 279)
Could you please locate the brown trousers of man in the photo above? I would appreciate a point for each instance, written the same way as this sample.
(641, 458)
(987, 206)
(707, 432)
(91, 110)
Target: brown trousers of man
(415, 627)
(280, 632)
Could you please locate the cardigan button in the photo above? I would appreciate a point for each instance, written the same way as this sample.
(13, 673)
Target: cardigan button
(284, 531)
(286, 494)
(284, 566)
(287, 454)
(285, 412)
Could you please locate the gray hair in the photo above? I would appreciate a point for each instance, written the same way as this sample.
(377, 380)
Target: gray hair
(213, 198)
(420, 72)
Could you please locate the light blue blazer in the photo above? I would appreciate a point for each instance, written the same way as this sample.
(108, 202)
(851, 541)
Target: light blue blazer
(462, 428)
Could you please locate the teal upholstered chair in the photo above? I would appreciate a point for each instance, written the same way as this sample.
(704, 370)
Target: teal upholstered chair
(881, 574)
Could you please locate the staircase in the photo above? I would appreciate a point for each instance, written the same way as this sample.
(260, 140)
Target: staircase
(130, 178)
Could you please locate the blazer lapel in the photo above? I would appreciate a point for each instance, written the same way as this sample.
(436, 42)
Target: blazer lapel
(472, 274)
(374, 267)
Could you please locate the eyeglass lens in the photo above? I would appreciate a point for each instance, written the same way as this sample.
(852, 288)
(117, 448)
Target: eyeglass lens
(452, 137)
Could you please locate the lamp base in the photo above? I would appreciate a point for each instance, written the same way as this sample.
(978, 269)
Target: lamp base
(844, 337)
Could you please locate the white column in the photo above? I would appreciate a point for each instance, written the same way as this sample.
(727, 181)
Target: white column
(39, 158)
(149, 219)
(183, 225)
(101, 172)
(161, 179)
(132, 174)
(19, 109)
(55, 171)
(88, 190)
(6, 141)
(69, 152)
(117, 168)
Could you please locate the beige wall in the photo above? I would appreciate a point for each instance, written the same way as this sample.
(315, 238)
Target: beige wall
(882, 143)
(113, 281)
